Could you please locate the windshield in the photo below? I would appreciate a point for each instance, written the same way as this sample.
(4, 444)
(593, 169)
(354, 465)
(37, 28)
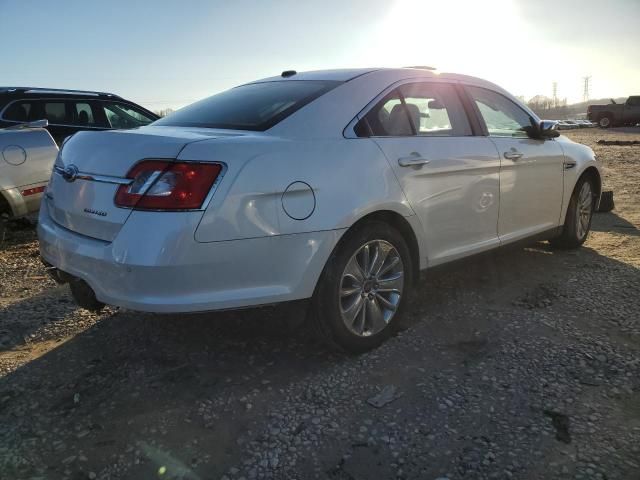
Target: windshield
(256, 106)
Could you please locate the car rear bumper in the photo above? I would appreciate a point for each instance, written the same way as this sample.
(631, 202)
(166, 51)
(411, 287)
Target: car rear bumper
(166, 270)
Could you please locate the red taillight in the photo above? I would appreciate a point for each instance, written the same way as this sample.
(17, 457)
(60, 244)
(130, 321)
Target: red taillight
(163, 185)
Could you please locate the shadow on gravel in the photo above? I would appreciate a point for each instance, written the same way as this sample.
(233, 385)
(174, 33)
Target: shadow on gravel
(139, 378)
(19, 231)
(20, 320)
(612, 222)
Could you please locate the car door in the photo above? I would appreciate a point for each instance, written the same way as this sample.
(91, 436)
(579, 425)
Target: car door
(531, 170)
(632, 110)
(449, 176)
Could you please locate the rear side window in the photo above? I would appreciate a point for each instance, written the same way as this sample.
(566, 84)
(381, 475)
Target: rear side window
(18, 112)
(423, 109)
(29, 110)
(55, 112)
(256, 106)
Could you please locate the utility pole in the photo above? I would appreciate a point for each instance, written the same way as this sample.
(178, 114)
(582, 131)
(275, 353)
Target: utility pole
(585, 93)
(555, 94)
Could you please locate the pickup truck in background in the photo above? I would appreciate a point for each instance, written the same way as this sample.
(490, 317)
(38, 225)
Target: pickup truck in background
(615, 114)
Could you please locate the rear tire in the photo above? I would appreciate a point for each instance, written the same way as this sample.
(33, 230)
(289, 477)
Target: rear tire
(577, 221)
(364, 288)
(84, 296)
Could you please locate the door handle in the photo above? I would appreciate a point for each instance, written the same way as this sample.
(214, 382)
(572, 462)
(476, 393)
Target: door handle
(412, 160)
(513, 155)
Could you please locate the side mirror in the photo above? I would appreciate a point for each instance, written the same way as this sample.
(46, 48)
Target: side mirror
(549, 129)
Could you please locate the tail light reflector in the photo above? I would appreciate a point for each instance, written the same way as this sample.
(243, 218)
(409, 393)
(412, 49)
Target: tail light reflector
(165, 185)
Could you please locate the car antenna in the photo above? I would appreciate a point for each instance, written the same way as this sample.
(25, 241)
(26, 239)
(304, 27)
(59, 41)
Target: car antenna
(288, 73)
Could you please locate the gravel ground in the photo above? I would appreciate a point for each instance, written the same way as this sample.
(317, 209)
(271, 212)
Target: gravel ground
(521, 364)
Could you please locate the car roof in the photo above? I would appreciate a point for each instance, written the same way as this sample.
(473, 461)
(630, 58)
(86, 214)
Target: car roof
(54, 91)
(345, 75)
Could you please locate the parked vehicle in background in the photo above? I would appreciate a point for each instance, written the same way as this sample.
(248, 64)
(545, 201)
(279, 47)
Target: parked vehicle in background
(27, 153)
(615, 114)
(584, 123)
(566, 125)
(70, 111)
(339, 186)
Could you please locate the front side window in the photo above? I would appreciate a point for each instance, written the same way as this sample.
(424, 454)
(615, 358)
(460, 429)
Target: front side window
(121, 115)
(256, 106)
(502, 117)
(423, 109)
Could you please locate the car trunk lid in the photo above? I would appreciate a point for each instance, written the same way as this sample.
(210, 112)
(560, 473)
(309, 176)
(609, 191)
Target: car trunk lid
(92, 166)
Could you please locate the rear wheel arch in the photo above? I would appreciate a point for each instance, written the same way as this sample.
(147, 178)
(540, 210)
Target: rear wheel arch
(399, 223)
(5, 206)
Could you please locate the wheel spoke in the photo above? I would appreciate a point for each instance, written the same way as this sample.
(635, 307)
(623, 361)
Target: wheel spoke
(348, 291)
(385, 268)
(382, 252)
(352, 311)
(392, 283)
(354, 271)
(375, 317)
(366, 260)
(386, 303)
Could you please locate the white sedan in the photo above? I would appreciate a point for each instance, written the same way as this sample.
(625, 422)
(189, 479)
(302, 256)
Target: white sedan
(339, 186)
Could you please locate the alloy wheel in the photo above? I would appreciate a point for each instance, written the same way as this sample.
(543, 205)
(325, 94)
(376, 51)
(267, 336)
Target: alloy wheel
(371, 287)
(585, 210)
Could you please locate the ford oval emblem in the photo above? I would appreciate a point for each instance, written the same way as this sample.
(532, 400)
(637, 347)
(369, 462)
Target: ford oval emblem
(70, 173)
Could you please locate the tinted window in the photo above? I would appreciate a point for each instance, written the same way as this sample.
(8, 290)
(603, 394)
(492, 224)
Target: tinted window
(633, 101)
(121, 115)
(18, 111)
(55, 112)
(417, 109)
(502, 117)
(83, 114)
(256, 106)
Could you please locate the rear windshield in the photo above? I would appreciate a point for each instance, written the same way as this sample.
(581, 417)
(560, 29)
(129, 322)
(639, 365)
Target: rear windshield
(256, 106)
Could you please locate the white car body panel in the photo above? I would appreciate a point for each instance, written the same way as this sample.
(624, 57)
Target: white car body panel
(530, 187)
(287, 196)
(26, 158)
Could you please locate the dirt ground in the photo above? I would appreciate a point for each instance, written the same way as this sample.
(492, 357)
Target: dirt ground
(521, 364)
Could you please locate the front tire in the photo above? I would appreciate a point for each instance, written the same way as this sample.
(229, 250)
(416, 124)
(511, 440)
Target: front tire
(363, 288)
(577, 222)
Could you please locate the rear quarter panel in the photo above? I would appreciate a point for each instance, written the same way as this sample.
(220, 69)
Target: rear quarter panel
(349, 179)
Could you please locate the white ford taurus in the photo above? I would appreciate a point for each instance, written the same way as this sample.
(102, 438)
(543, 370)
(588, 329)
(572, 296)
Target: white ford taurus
(338, 186)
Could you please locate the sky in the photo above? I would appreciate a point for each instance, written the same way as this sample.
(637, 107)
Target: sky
(167, 54)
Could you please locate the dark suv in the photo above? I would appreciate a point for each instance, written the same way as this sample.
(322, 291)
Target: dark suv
(69, 111)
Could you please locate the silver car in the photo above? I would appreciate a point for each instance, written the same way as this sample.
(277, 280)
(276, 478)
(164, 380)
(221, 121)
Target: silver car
(27, 153)
(336, 186)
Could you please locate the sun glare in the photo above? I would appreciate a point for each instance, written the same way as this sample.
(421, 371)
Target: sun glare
(449, 35)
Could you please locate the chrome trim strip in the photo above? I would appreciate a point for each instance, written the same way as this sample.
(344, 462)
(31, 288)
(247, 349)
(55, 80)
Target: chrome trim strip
(96, 178)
